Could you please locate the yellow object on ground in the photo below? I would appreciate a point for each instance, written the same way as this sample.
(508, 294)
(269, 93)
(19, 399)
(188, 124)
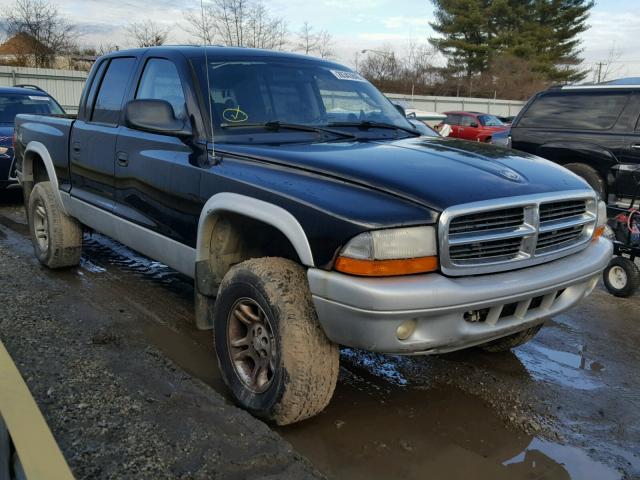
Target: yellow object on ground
(39, 454)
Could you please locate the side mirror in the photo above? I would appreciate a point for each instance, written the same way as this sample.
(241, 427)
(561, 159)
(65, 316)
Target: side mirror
(474, 125)
(155, 116)
(401, 109)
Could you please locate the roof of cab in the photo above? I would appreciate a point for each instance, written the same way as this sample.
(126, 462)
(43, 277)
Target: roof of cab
(216, 51)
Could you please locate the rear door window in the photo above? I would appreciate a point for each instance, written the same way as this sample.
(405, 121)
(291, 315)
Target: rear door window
(467, 121)
(112, 89)
(581, 110)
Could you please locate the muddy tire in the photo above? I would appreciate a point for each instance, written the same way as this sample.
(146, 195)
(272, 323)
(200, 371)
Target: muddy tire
(621, 277)
(272, 352)
(507, 343)
(56, 237)
(591, 176)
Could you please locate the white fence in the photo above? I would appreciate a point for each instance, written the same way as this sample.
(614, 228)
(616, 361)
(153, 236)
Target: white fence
(66, 87)
(445, 104)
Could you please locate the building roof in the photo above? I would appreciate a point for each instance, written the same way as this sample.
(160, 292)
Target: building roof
(23, 44)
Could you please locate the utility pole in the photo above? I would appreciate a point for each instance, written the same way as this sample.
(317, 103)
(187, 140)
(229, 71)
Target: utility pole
(600, 64)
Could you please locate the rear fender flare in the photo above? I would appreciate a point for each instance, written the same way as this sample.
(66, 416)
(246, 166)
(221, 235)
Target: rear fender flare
(39, 149)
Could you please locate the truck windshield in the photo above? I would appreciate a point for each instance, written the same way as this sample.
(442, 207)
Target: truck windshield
(12, 105)
(252, 94)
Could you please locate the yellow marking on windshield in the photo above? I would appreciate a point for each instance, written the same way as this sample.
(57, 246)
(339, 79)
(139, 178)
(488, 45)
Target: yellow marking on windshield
(235, 115)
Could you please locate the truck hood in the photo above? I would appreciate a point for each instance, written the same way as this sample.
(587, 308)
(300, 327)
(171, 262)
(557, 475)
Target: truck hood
(431, 171)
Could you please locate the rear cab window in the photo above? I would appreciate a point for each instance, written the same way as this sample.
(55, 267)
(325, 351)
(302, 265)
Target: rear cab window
(575, 110)
(112, 90)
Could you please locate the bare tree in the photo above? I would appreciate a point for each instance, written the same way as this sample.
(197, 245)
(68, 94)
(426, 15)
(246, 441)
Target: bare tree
(307, 40)
(147, 34)
(237, 23)
(44, 32)
(264, 31)
(325, 44)
(201, 26)
(610, 68)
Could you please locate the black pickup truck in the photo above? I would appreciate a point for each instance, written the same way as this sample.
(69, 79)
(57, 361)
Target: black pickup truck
(318, 218)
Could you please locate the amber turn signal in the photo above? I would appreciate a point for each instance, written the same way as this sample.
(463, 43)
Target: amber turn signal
(386, 268)
(598, 232)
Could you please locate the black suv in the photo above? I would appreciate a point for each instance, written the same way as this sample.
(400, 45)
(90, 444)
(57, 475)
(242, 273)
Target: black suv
(592, 130)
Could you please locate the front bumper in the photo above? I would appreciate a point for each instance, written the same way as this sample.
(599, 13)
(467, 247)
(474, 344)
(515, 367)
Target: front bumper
(365, 312)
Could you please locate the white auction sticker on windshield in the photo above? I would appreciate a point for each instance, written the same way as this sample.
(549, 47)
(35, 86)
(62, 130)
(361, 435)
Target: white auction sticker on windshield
(34, 97)
(343, 75)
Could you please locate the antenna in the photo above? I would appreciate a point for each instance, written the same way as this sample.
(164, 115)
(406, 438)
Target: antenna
(206, 69)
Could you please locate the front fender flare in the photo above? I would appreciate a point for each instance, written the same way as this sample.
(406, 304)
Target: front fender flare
(266, 212)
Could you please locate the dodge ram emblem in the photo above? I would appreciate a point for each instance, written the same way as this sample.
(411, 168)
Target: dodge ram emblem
(511, 175)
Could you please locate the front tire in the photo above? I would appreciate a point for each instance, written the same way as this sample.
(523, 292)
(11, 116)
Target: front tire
(621, 277)
(56, 237)
(272, 352)
(512, 341)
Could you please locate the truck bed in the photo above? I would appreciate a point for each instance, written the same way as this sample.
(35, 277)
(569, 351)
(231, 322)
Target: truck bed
(50, 130)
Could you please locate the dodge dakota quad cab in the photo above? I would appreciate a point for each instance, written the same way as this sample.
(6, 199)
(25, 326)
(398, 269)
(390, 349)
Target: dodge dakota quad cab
(318, 218)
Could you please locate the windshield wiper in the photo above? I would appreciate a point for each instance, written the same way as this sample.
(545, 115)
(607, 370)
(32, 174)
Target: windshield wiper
(276, 125)
(366, 124)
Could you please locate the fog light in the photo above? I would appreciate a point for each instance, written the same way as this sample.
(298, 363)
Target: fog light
(406, 329)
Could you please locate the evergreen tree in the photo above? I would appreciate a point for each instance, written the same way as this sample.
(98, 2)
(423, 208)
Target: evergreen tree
(543, 32)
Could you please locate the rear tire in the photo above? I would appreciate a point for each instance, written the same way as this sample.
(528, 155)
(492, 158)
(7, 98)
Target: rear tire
(56, 237)
(621, 277)
(507, 343)
(591, 176)
(272, 352)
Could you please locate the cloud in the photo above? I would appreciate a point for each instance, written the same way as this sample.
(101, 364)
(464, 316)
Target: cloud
(406, 22)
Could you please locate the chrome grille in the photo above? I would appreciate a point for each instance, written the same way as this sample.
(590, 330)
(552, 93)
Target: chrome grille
(509, 217)
(512, 233)
(555, 210)
(479, 250)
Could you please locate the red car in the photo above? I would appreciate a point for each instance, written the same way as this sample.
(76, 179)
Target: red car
(475, 126)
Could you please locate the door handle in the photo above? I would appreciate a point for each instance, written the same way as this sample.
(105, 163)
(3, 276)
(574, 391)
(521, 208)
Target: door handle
(123, 159)
(76, 147)
(636, 146)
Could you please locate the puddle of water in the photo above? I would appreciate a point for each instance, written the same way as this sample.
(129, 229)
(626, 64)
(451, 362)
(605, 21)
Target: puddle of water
(565, 368)
(197, 358)
(371, 433)
(574, 461)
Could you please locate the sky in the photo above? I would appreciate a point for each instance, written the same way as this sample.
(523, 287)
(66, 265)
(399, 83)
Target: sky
(354, 24)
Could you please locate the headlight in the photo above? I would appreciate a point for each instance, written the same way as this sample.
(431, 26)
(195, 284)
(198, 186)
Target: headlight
(3, 150)
(397, 251)
(601, 222)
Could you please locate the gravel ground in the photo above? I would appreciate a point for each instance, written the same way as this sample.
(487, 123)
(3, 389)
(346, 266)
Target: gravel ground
(117, 406)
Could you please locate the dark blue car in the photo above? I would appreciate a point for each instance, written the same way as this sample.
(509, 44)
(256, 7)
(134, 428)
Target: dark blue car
(15, 100)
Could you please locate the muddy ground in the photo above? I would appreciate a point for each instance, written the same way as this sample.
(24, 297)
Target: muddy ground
(131, 389)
